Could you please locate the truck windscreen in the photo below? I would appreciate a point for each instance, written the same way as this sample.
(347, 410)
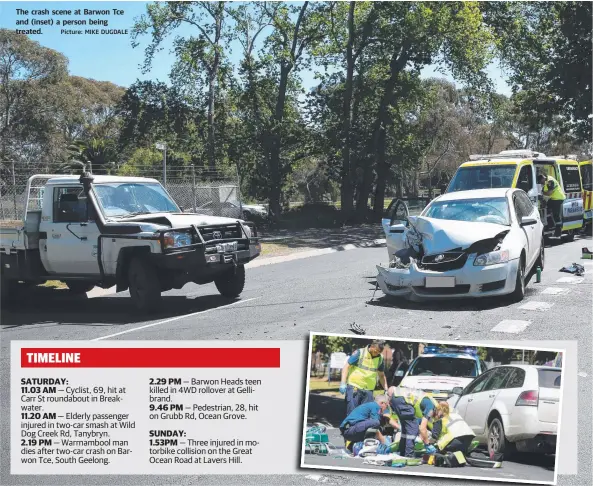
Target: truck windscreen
(571, 179)
(120, 200)
(482, 177)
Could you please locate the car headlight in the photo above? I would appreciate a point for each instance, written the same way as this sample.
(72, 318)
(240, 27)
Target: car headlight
(492, 258)
(175, 239)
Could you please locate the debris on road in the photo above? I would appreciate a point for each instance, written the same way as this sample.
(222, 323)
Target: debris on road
(356, 329)
(574, 269)
(587, 254)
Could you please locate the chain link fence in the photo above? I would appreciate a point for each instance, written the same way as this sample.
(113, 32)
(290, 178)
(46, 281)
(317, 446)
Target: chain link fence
(194, 188)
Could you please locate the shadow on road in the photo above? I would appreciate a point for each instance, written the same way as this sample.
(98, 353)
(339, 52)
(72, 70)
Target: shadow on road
(324, 238)
(326, 409)
(43, 305)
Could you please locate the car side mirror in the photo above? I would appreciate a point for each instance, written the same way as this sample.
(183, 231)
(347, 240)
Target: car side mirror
(457, 391)
(528, 221)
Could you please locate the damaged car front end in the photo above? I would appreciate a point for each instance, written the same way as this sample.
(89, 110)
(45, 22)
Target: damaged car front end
(448, 258)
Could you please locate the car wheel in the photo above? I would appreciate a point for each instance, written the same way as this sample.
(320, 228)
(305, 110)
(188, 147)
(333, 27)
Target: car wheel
(542, 256)
(497, 441)
(79, 287)
(569, 236)
(143, 282)
(519, 292)
(231, 283)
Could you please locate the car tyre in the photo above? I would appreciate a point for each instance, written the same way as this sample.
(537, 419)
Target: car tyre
(569, 236)
(231, 284)
(519, 292)
(143, 282)
(79, 287)
(497, 441)
(542, 256)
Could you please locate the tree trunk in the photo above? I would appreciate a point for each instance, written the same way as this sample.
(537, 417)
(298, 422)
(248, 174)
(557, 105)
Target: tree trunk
(382, 171)
(346, 192)
(276, 141)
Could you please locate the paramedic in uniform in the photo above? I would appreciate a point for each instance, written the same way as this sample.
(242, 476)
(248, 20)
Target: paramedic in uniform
(450, 431)
(364, 417)
(551, 189)
(401, 404)
(360, 373)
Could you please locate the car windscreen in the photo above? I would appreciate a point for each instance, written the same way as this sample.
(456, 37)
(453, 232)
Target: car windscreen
(126, 199)
(443, 366)
(487, 210)
(482, 177)
(571, 179)
(549, 378)
(587, 176)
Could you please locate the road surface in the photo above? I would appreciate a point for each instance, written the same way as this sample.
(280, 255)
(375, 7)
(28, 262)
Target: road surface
(324, 293)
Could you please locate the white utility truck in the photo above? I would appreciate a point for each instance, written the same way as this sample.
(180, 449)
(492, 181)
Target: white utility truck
(89, 231)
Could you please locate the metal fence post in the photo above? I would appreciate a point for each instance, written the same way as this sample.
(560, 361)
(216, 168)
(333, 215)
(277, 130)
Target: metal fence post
(193, 186)
(14, 190)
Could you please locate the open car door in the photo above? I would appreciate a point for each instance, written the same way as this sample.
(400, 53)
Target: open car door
(395, 224)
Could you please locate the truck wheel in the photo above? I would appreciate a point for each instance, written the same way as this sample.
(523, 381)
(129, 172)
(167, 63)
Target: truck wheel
(6, 290)
(79, 287)
(231, 284)
(144, 285)
(569, 236)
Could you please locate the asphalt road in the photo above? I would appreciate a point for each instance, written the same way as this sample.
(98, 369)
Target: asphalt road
(323, 293)
(523, 467)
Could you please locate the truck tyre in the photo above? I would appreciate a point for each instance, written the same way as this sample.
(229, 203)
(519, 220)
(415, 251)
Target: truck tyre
(7, 290)
(231, 284)
(78, 287)
(144, 285)
(569, 236)
(519, 292)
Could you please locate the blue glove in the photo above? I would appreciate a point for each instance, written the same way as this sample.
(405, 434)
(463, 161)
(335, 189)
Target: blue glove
(430, 449)
(343, 388)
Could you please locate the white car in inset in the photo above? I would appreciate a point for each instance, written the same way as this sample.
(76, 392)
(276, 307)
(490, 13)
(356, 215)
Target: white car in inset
(513, 407)
(477, 243)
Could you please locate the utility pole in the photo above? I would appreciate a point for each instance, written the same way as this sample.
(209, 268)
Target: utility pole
(14, 191)
(163, 146)
(193, 186)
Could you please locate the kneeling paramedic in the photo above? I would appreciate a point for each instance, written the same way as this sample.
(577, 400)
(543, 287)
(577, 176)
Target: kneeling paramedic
(360, 374)
(424, 408)
(401, 406)
(451, 432)
(367, 416)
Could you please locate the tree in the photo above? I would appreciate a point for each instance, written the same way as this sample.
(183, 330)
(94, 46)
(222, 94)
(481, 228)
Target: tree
(296, 29)
(29, 72)
(547, 50)
(413, 35)
(203, 53)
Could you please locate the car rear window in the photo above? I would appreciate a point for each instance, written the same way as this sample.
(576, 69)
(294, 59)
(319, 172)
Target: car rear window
(549, 378)
(571, 178)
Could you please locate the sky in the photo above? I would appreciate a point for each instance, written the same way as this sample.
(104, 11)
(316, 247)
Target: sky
(112, 57)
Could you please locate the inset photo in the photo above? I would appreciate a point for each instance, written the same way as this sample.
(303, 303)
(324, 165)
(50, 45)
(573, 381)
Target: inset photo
(460, 410)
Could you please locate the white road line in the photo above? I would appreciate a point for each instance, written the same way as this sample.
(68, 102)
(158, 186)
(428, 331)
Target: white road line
(165, 321)
(511, 326)
(536, 306)
(555, 291)
(570, 280)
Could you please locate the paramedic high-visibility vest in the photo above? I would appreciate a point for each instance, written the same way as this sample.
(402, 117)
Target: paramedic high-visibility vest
(453, 426)
(363, 374)
(415, 402)
(557, 193)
